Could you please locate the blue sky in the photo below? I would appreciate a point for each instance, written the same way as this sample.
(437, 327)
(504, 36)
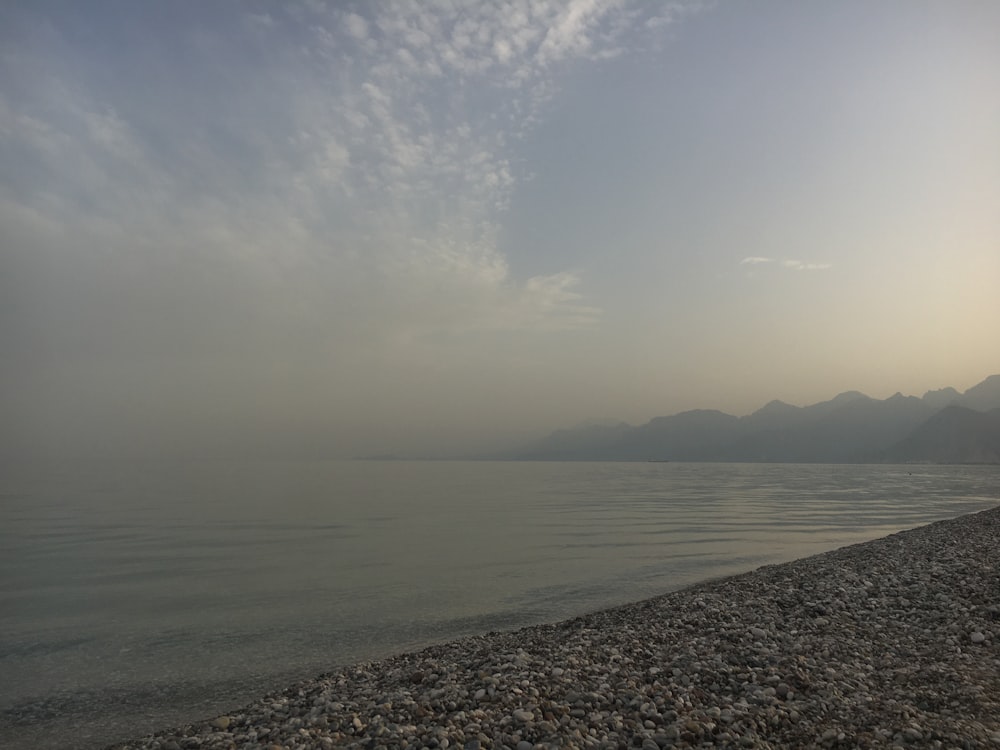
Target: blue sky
(421, 226)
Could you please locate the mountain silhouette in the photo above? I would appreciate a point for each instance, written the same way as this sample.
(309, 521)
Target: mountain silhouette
(942, 426)
(953, 435)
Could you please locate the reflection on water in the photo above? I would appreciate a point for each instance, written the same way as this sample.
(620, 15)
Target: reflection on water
(138, 597)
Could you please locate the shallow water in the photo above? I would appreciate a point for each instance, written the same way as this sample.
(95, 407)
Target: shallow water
(134, 598)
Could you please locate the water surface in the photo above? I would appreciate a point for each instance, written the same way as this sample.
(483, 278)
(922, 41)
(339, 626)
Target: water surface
(138, 597)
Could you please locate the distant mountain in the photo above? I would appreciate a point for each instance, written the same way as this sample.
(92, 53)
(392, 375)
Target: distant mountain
(953, 435)
(587, 443)
(982, 397)
(941, 398)
(681, 437)
(850, 427)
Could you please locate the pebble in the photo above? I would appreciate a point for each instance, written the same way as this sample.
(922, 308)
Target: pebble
(859, 647)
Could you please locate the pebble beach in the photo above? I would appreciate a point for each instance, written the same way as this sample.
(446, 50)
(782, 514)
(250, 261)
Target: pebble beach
(890, 643)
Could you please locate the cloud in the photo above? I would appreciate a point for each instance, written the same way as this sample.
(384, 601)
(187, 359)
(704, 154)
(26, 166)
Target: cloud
(794, 265)
(570, 33)
(315, 189)
(356, 26)
(799, 265)
(374, 140)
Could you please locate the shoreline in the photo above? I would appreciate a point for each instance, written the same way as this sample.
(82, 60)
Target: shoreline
(890, 642)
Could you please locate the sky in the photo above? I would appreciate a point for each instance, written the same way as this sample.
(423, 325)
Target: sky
(427, 228)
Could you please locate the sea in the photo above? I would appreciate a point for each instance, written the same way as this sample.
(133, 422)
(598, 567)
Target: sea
(138, 597)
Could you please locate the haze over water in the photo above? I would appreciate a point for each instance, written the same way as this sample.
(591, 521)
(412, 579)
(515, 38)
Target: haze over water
(332, 229)
(136, 597)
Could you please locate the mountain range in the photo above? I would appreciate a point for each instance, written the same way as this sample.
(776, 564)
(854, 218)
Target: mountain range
(943, 426)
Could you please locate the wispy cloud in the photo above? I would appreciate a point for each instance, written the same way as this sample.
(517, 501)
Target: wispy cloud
(791, 264)
(800, 265)
(373, 143)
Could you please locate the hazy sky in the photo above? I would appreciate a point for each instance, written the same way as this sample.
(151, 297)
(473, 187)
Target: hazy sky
(421, 226)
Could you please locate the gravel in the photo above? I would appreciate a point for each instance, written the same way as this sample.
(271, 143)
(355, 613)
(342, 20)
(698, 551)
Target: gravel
(890, 643)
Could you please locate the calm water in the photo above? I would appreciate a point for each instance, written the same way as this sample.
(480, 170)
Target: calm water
(134, 598)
